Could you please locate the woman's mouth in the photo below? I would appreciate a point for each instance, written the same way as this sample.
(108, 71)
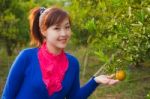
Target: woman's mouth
(62, 40)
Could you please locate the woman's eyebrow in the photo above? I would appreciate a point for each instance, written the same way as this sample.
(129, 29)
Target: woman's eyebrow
(67, 23)
(56, 25)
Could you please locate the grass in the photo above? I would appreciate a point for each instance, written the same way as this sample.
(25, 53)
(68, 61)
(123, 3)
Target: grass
(134, 87)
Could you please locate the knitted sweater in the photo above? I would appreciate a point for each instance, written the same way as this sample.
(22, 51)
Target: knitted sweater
(24, 80)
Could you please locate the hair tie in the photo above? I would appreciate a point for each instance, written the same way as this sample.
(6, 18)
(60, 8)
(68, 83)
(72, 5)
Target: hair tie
(42, 9)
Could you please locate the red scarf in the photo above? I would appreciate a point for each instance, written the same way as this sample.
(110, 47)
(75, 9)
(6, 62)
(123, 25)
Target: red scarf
(53, 68)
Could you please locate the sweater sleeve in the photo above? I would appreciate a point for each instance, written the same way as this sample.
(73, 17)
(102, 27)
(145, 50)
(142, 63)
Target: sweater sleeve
(15, 77)
(83, 92)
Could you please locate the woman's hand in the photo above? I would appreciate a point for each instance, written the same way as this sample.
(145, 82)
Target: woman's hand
(107, 80)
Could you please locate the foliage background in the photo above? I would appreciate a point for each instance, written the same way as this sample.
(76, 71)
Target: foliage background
(107, 34)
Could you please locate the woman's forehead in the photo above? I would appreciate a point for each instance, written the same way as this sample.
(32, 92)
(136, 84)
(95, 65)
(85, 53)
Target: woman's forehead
(64, 22)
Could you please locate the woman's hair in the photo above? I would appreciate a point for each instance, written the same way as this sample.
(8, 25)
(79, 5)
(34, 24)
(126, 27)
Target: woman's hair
(41, 19)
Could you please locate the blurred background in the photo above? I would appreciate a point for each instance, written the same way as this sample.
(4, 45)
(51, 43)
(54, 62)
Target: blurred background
(107, 35)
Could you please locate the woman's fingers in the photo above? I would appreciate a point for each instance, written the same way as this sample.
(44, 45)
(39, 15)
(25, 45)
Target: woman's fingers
(107, 80)
(111, 76)
(112, 82)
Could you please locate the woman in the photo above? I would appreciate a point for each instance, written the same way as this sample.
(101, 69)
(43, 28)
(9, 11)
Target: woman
(47, 72)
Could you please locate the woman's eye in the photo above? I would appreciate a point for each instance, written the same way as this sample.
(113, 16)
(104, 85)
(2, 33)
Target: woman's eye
(56, 28)
(67, 27)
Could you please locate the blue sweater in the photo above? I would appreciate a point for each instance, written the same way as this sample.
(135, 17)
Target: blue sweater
(25, 80)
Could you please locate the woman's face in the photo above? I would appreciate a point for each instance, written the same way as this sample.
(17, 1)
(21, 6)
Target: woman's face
(57, 36)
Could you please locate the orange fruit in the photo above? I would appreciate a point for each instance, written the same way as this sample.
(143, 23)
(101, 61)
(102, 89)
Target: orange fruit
(120, 75)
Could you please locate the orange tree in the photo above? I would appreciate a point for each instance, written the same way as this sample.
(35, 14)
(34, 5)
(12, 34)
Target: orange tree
(117, 31)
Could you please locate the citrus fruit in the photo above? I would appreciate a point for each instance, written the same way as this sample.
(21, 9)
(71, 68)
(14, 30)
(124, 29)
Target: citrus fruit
(120, 75)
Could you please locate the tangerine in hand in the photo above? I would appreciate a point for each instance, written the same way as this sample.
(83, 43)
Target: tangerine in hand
(120, 75)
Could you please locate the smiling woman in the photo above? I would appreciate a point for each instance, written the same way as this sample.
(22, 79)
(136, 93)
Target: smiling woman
(58, 36)
(47, 72)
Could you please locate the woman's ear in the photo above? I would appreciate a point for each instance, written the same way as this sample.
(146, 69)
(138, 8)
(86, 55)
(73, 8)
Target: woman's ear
(44, 33)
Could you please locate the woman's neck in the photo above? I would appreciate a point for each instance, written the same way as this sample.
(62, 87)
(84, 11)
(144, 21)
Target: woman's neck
(53, 50)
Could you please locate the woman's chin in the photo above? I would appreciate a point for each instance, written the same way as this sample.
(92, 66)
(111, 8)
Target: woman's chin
(62, 46)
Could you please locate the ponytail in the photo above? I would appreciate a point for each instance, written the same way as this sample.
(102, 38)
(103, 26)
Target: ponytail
(35, 33)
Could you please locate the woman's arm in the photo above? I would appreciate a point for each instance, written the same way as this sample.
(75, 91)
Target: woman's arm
(15, 77)
(85, 91)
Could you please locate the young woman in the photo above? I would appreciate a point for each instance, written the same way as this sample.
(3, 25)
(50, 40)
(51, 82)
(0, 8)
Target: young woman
(47, 72)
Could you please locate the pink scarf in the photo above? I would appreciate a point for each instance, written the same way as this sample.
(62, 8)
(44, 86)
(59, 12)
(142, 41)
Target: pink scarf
(53, 68)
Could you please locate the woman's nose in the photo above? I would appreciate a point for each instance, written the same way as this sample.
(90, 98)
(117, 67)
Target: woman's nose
(63, 32)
